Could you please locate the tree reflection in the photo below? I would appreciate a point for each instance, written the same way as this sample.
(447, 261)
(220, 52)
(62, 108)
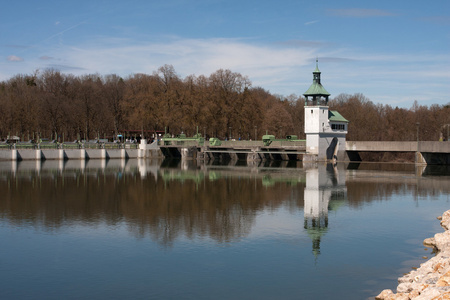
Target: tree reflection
(185, 200)
(217, 204)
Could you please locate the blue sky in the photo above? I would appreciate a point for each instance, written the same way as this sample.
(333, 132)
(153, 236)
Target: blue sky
(393, 52)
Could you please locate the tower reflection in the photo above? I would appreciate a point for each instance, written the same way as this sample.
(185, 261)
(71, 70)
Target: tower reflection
(325, 190)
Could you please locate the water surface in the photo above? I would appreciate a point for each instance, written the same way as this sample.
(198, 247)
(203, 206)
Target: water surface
(140, 229)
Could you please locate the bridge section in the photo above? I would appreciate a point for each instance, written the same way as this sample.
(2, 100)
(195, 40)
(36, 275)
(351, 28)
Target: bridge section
(427, 152)
(236, 150)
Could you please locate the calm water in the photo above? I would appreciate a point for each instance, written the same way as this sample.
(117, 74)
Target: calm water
(141, 229)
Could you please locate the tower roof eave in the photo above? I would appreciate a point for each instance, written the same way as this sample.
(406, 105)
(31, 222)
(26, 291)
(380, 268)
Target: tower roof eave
(316, 89)
(334, 116)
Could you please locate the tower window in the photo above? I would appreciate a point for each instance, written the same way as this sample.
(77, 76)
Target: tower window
(338, 126)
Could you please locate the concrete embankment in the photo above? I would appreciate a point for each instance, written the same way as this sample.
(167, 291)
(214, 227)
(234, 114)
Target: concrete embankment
(432, 279)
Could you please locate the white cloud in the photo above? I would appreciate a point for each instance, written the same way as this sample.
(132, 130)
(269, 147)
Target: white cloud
(14, 58)
(311, 22)
(192, 56)
(282, 68)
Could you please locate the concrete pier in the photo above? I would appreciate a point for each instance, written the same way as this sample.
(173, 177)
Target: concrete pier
(46, 154)
(74, 154)
(77, 154)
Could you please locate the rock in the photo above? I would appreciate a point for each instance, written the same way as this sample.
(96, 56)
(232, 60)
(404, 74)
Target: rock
(401, 297)
(413, 294)
(429, 242)
(404, 287)
(438, 267)
(445, 221)
(442, 240)
(384, 294)
(444, 280)
(428, 294)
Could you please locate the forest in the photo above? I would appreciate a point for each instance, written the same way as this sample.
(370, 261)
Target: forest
(65, 107)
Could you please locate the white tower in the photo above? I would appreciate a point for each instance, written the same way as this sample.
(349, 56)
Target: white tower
(325, 130)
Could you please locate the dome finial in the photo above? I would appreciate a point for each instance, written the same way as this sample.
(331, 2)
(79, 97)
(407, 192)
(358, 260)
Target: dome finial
(317, 65)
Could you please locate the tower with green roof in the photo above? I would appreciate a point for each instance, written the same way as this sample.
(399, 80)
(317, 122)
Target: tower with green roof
(316, 91)
(325, 130)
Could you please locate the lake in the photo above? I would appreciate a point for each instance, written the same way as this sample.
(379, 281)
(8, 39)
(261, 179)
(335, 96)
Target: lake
(150, 229)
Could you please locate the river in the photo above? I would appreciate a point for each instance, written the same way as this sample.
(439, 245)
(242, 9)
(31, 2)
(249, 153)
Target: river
(149, 229)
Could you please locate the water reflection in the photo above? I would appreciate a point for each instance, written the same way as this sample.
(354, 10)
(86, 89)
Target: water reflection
(174, 229)
(325, 190)
(171, 199)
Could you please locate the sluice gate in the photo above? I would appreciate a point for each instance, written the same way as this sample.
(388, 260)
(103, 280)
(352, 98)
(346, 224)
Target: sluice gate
(243, 150)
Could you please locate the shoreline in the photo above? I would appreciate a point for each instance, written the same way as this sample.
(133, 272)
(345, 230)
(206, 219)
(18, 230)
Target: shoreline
(432, 279)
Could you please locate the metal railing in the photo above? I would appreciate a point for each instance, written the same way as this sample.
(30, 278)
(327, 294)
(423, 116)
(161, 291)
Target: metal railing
(72, 145)
(235, 144)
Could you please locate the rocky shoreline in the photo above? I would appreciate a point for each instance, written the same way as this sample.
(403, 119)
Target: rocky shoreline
(431, 281)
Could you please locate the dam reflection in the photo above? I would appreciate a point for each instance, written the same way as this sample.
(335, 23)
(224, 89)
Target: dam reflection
(171, 199)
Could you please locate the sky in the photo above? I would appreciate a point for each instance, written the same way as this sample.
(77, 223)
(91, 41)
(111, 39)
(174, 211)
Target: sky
(394, 52)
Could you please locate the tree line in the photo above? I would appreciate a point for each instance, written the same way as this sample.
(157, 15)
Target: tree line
(63, 106)
(377, 122)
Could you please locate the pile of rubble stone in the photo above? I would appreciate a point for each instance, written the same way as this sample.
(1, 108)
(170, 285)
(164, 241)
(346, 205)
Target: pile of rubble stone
(431, 281)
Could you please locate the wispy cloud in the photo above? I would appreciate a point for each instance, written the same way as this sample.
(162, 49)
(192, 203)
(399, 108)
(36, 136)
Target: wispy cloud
(66, 68)
(329, 59)
(304, 43)
(360, 12)
(17, 46)
(61, 32)
(188, 56)
(440, 20)
(15, 58)
(282, 68)
(311, 22)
